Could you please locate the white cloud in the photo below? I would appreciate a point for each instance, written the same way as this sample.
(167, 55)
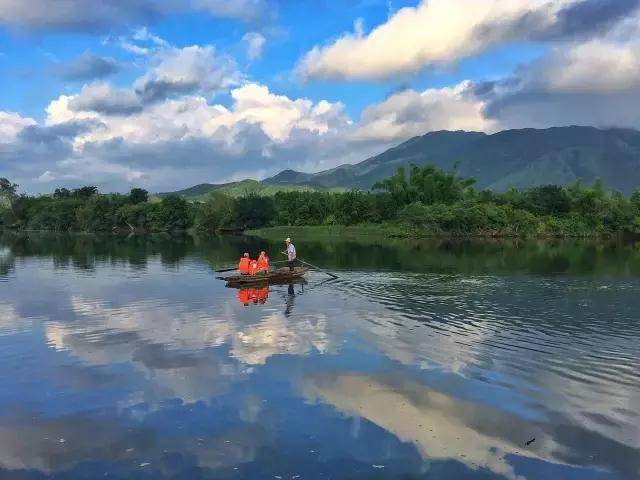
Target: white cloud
(192, 116)
(133, 48)
(186, 70)
(143, 34)
(591, 82)
(11, 124)
(254, 43)
(103, 98)
(410, 113)
(436, 32)
(603, 64)
(278, 115)
(259, 133)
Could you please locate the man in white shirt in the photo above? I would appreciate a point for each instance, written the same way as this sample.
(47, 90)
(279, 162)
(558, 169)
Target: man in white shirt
(291, 254)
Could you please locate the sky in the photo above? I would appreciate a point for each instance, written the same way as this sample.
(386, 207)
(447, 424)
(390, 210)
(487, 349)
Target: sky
(166, 94)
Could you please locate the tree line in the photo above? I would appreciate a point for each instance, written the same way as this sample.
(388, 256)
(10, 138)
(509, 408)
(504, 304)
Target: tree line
(421, 201)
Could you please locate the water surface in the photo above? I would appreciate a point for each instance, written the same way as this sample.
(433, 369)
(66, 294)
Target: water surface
(126, 358)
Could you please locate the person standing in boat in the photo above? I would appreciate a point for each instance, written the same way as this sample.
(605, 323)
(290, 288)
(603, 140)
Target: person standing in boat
(291, 254)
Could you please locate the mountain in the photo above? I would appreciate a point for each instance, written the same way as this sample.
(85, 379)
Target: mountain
(244, 187)
(512, 158)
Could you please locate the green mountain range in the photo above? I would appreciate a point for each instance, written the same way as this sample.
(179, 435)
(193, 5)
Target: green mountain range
(244, 187)
(512, 158)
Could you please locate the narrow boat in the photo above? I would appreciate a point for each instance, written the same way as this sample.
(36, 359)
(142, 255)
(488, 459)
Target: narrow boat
(281, 275)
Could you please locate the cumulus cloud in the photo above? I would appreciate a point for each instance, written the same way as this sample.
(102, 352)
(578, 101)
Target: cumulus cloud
(592, 82)
(409, 113)
(36, 149)
(11, 124)
(89, 66)
(105, 99)
(176, 72)
(126, 142)
(97, 15)
(254, 44)
(188, 70)
(441, 32)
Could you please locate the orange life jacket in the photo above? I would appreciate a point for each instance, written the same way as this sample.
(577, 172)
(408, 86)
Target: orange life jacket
(253, 267)
(243, 265)
(263, 263)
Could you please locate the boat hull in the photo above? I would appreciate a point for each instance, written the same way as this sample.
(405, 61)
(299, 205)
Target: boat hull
(281, 275)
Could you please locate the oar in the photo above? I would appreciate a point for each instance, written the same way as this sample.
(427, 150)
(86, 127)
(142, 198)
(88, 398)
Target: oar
(226, 270)
(318, 268)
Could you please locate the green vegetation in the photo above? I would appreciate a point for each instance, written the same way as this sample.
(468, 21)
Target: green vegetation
(243, 189)
(86, 210)
(426, 201)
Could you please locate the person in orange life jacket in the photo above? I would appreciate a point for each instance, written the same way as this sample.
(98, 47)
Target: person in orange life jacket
(263, 262)
(253, 267)
(244, 265)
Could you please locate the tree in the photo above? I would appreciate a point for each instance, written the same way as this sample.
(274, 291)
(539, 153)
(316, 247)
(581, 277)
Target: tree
(216, 212)
(8, 197)
(138, 195)
(397, 186)
(635, 200)
(61, 193)
(547, 200)
(174, 213)
(253, 211)
(85, 192)
(428, 184)
(8, 191)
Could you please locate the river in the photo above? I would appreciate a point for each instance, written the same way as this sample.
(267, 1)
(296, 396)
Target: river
(126, 358)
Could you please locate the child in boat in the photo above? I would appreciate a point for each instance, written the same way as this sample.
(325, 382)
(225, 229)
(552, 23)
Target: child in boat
(253, 267)
(263, 262)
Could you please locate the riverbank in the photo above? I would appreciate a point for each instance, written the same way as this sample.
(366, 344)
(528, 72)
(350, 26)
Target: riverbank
(398, 231)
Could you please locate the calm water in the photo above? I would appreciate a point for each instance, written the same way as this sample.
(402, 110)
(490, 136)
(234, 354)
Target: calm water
(126, 358)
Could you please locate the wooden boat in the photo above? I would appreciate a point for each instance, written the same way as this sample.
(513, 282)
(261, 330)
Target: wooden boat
(281, 275)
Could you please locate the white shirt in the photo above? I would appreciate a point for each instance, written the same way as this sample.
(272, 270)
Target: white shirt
(291, 252)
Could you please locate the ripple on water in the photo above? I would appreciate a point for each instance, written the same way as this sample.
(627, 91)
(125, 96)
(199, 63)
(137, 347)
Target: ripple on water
(568, 341)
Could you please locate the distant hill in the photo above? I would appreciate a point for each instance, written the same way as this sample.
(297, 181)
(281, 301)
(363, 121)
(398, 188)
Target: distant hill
(244, 187)
(512, 158)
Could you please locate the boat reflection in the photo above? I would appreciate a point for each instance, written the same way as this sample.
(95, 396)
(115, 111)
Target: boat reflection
(247, 296)
(259, 294)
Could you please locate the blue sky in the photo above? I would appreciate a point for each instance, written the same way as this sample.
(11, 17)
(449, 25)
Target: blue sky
(170, 93)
